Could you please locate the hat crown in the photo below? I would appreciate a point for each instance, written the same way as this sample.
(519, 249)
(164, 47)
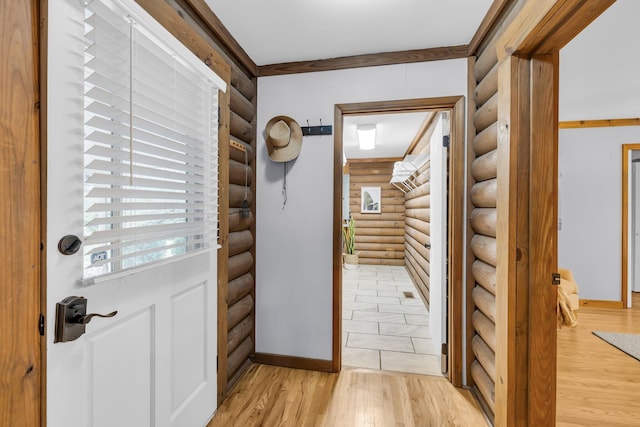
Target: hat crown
(280, 134)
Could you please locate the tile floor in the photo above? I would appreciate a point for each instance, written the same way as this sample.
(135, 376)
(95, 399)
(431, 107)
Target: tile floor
(381, 327)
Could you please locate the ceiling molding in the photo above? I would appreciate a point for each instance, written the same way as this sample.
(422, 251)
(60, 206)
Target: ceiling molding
(224, 36)
(367, 60)
(495, 11)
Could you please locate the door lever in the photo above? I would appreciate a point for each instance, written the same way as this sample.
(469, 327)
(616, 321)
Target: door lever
(87, 318)
(72, 318)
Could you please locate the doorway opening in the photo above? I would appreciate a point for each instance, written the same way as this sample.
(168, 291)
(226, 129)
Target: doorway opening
(394, 203)
(454, 234)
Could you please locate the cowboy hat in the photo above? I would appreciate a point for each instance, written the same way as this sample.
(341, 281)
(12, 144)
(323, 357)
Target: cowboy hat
(283, 136)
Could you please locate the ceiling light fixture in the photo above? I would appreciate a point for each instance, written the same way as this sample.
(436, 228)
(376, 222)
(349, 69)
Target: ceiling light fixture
(367, 136)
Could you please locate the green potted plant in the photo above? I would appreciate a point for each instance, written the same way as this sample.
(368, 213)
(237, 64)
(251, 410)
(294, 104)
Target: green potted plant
(349, 237)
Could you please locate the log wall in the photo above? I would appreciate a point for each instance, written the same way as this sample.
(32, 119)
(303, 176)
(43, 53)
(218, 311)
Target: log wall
(379, 239)
(483, 143)
(417, 229)
(236, 292)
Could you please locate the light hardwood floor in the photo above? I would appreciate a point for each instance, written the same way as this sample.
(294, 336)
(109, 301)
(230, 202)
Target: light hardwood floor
(598, 385)
(271, 396)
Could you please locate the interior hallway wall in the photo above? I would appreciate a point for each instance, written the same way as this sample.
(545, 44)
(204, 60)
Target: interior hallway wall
(598, 80)
(294, 242)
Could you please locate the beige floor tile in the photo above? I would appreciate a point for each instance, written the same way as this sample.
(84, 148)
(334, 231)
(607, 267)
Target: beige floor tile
(398, 308)
(377, 300)
(390, 293)
(398, 330)
(372, 316)
(360, 326)
(356, 291)
(347, 314)
(345, 335)
(380, 342)
(360, 306)
(424, 346)
(417, 319)
(360, 358)
(408, 362)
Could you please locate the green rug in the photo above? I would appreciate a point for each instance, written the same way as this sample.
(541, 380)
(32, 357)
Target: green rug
(629, 343)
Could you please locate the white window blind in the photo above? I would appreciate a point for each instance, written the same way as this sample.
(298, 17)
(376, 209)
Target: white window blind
(151, 153)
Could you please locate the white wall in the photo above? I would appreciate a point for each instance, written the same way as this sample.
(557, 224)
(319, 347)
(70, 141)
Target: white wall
(599, 68)
(438, 261)
(590, 207)
(294, 244)
(598, 80)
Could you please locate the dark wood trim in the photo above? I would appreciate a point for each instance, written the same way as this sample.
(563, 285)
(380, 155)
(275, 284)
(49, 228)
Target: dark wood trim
(223, 35)
(595, 303)
(456, 245)
(493, 14)
(43, 14)
(455, 209)
(22, 350)
(579, 124)
(367, 60)
(293, 362)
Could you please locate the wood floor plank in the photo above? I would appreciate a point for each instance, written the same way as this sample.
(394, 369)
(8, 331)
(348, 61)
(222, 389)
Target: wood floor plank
(597, 384)
(272, 396)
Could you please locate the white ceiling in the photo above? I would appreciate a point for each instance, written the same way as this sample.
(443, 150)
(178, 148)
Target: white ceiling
(276, 31)
(394, 134)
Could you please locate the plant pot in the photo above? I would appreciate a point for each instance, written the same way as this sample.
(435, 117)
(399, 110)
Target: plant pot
(350, 261)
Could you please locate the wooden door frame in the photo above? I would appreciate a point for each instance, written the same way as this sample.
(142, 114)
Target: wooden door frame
(22, 352)
(456, 217)
(528, 53)
(626, 157)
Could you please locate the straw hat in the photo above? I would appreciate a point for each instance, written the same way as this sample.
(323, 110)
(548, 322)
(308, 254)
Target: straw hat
(283, 136)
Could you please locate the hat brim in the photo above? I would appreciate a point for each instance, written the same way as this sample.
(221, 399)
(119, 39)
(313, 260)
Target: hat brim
(291, 150)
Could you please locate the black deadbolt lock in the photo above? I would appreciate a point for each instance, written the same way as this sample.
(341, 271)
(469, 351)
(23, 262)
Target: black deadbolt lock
(69, 244)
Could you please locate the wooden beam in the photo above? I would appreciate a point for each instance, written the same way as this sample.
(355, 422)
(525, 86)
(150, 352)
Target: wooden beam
(223, 35)
(545, 26)
(374, 160)
(367, 60)
(493, 14)
(336, 344)
(578, 124)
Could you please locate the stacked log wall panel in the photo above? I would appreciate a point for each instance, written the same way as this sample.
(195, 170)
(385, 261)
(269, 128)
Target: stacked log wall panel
(417, 230)
(378, 235)
(483, 158)
(482, 236)
(241, 100)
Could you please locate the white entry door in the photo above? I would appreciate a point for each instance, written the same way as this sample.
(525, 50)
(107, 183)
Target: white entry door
(154, 362)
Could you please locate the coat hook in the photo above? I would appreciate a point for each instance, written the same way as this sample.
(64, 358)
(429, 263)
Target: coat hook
(308, 123)
(320, 126)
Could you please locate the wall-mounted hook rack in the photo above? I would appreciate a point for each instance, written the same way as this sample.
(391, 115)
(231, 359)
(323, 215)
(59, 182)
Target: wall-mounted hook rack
(237, 146)
(317, 130)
